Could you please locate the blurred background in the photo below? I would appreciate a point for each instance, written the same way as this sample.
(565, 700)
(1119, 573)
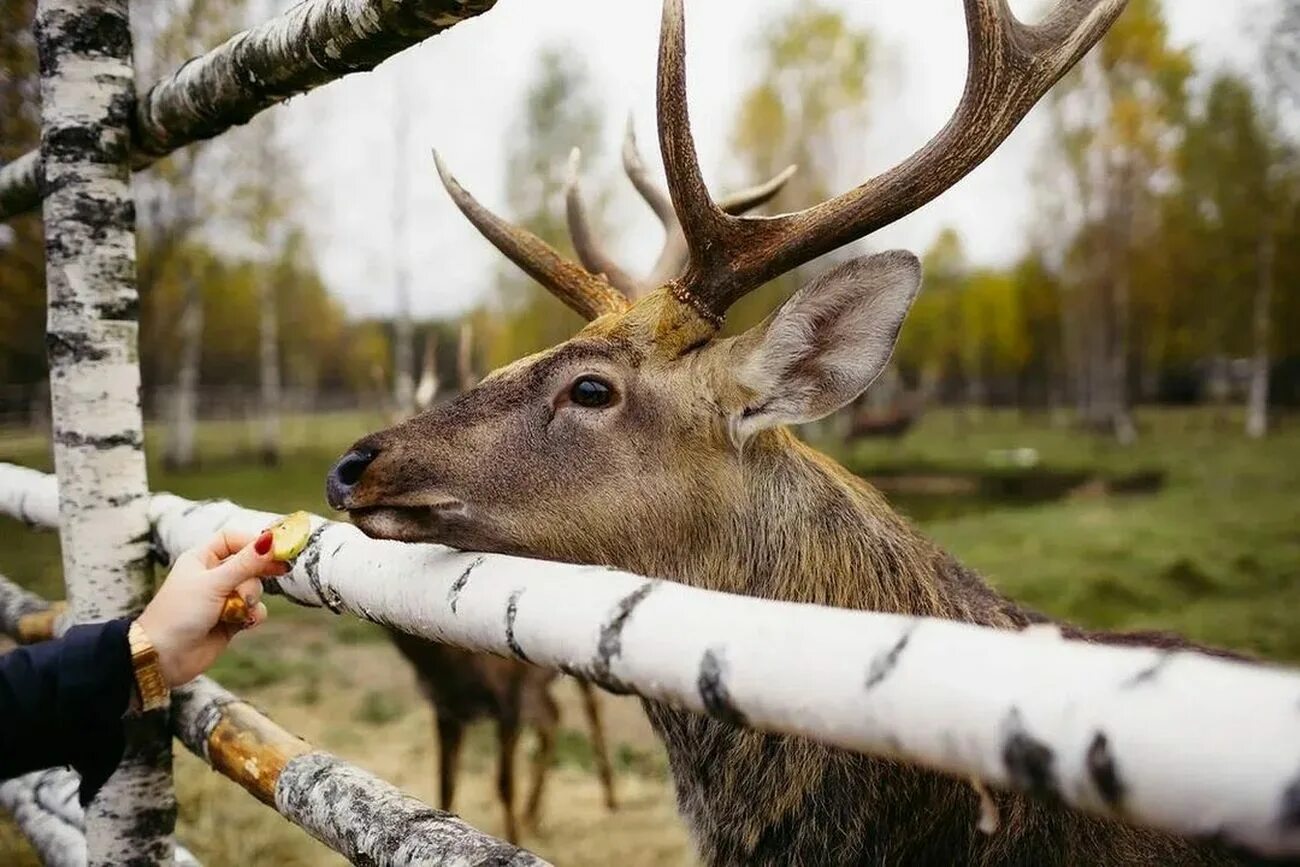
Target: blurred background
(1094, 401)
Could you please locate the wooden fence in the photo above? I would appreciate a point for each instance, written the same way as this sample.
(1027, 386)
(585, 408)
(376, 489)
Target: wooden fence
(1101, 728)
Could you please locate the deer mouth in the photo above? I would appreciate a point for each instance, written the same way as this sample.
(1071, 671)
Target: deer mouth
(422, 523)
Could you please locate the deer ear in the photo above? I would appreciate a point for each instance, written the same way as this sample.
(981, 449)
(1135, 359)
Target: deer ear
(826, 344)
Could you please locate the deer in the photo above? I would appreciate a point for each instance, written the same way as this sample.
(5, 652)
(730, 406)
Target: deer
(656, 444)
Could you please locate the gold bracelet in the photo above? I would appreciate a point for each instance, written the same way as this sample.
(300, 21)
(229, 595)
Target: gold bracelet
(149, 680)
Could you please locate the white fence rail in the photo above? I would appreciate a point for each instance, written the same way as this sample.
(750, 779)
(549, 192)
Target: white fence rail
(1179, 741)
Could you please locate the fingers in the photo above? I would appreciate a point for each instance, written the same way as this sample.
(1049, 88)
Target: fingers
(221, 546)
(251, 592)
(252, 561)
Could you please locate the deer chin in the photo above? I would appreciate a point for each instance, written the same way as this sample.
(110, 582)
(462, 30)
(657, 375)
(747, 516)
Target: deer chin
(428, 523)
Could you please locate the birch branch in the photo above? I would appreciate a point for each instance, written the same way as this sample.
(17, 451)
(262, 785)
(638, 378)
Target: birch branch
(353, 812)
(43, 804)
(26, 617)
(1101, 728)
(310, 44)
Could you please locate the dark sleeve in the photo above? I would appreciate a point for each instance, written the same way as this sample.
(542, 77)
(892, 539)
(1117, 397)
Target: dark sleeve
(62, 703)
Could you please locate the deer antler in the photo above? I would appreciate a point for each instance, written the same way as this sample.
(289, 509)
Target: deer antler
(591, 295)
(1011, 66)
(674, 255)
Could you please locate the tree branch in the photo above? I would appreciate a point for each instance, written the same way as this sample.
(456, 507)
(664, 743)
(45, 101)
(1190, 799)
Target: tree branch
(313, 43)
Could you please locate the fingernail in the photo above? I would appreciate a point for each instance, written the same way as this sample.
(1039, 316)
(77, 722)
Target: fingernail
(263, 543)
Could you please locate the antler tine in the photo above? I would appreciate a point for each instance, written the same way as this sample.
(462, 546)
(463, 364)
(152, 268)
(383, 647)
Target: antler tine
(1011, 66)
(703, 222)
(634, 167)
(589, 294)
(590, 251)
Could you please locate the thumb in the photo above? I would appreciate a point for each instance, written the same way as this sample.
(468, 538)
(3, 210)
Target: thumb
(252, 561)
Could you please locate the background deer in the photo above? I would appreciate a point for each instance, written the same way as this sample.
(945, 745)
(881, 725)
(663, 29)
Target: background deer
(650, 443)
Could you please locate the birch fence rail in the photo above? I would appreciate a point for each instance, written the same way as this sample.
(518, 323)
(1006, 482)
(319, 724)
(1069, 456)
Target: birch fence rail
(1180, 741)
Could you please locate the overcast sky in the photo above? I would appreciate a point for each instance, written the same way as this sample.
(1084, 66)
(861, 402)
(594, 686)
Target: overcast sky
(466, 87)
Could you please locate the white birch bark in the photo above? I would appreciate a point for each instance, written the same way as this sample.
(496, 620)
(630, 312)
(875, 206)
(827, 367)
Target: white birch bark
(312, 43)
(1105, 728)
(86, 97)
(43, 804)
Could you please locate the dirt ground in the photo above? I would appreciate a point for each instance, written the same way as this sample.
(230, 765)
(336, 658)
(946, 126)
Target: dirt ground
(343, 688)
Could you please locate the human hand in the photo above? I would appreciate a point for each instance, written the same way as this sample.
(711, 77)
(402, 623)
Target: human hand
(183, 621)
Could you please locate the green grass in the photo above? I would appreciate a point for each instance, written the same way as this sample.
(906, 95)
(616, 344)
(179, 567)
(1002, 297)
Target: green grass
(1215, 554)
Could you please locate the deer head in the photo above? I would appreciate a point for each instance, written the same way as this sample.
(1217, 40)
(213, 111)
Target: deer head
(647, 432)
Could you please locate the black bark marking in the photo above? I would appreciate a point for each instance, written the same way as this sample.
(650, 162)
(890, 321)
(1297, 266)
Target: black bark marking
(1150, 673)
(453, 595)
(196, 505)
(1104, 772)
(885, 663)
(610, 645)
(124, 499)
(311, 565)
(512, 611)
(1290, 816)
(73, 439)
(713, 689)
(1028, 760)
(63, 347)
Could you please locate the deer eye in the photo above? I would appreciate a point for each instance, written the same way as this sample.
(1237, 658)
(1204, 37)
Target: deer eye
(591, 392)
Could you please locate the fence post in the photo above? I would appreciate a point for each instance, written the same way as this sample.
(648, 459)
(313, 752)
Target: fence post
(87, 93)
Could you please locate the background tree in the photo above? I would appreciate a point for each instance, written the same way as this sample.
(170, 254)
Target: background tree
(22, 264)
(560, 112)
(809, 108)
(1116, 128)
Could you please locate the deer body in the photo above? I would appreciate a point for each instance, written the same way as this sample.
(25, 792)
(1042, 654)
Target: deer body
(651, 443)
(465, 687)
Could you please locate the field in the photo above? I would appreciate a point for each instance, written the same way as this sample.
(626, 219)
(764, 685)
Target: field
(1213, 551)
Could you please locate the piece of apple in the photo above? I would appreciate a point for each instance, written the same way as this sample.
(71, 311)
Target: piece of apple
(289, 535)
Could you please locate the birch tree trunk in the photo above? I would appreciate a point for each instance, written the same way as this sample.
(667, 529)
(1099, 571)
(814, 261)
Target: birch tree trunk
(1257, 408)
(180, 445)
(86, 99)
(268, 323)
(268, 307)
(403, 333)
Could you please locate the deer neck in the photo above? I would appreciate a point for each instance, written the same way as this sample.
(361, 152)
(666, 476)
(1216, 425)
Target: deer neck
(807, 530)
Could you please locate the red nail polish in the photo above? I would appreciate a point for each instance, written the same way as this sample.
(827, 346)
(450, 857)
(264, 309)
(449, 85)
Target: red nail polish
(263, 543)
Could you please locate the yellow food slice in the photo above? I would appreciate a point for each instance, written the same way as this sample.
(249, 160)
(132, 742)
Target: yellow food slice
(234, 611)
(289, 535)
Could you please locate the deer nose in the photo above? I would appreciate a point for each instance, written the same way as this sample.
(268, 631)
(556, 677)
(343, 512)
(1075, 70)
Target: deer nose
(345, 474)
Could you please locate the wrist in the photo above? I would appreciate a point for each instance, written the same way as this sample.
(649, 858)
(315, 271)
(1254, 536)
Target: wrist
(153, 686)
